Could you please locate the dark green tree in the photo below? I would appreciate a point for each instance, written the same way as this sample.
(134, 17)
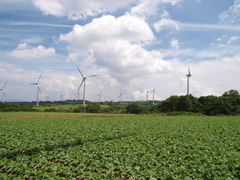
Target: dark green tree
(169, 105)
(213, 105)
(93, 108)
(135, 109)
(185, 104)
(232, 97)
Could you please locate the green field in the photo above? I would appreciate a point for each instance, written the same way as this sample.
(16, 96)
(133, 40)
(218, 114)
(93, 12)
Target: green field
(140, 147)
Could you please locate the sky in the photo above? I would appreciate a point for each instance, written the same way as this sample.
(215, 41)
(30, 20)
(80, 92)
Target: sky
(134, 46)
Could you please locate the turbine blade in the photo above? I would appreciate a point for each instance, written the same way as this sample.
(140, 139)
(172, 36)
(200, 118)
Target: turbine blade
(5, 85)
(91, 76)
(81, 84)
(80, 72)
(4, 95)
(39, 78)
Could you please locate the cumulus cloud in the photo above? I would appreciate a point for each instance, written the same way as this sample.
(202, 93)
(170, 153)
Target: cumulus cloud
(126, 27)
(166, 24)
(79, 9)
(174, 44)
(25, 51)
(232, 15)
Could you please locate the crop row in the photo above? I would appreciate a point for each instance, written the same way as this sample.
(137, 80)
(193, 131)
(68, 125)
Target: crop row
(121, 148)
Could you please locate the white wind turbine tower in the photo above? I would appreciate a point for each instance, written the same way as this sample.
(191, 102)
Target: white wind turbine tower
(188, 77)
(84, 86)
(47, 98)
(120, 96)
(61, 96)
(147, 94)
(3, 92)
(132, 96)
(99, 97)
(38, 88)
(78, 94)
(153, 94)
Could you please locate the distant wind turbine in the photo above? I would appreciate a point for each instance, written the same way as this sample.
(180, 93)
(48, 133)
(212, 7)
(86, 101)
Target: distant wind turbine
(132, 97)
(61, 96)
(99, 96)
(38, 88)
(3, 92)
(78, 94)
(188, 77)
(147, 94)
(47, 98)
(84, 86)
(153, 94)
(120, 96)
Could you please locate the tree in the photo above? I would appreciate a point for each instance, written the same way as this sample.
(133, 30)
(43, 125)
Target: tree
(232, 97)
(184, 104)
(169, 105)
(214, 105)
(93, 108)
(134, 108)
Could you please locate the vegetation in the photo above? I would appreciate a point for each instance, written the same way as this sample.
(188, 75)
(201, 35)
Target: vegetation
(143, 147)
(227, 104)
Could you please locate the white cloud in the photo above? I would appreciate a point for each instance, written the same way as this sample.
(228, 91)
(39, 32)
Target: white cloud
(106, 28)
(174, 44)
(232, 15)
(33, 39)
(24, 51)
(148, 8)
(79, 9)
(166, 24)
(232, 39)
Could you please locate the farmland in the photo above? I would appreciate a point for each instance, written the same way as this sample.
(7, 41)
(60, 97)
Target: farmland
(120, 147)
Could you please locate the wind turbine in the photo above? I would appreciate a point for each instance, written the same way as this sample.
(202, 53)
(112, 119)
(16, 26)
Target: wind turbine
(147, 94)
(47, 98)
(84, 86)
(188, 77)
(61, 96)
(38, 88)
(153, 94)
(3, 92)
(99, 96)
(78, 94)
(120, 96)
(132, 97)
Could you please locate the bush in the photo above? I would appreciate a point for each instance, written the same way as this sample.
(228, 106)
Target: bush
(79, 109)
(93, 108)
(135, 109)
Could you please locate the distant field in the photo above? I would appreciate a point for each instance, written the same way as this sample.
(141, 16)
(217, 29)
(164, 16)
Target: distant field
(63, 107)
(140, 147)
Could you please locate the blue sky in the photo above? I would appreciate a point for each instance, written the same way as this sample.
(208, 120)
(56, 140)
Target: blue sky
(132, 45)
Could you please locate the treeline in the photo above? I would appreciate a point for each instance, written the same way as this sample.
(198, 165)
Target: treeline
(227, 104)
(6, 107)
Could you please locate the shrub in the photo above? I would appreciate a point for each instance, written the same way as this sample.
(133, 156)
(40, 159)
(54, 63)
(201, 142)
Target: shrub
(93, 108)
